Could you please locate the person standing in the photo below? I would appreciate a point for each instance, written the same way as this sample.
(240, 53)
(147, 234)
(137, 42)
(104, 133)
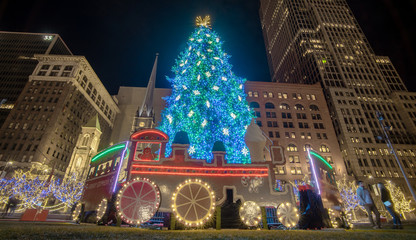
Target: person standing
(388, 203)
(365, 199)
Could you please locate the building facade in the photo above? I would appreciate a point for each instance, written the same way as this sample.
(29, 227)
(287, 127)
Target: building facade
(310, 41)
(17, 62)
(295, 117)
(61, 96)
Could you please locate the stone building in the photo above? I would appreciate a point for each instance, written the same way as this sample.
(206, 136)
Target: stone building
(295, 117)
(85, 148)
(62, 95)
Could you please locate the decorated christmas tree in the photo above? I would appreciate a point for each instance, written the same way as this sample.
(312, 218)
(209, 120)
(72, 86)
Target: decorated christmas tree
(208, 101)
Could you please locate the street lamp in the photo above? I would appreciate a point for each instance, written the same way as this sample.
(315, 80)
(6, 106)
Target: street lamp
(387, 139)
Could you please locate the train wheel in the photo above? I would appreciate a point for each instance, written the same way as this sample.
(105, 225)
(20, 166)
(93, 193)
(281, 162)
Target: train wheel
(250, 213)
(102, 208)
(138, 200)
(287, 214)
(193, 202)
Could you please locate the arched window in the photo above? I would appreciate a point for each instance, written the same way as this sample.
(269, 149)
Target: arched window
(85, 140)
(305, 148)
(269, 105)
(313, 107)
(254, 105)
(292, 148)
(324, 148)
(284, 106)
(299, 107)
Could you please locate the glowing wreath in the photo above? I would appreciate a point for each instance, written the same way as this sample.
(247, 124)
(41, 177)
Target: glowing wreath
(138, 200)
(193, 202)
(250, 213)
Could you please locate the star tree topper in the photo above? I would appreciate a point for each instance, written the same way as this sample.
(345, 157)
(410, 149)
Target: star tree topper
(206, 22)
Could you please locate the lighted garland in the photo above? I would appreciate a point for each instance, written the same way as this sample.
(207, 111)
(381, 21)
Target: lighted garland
(77, 211)
(207, 101)
(102, 208)
(250, 213)
(287, 214)
(138, 200)
(193, 202)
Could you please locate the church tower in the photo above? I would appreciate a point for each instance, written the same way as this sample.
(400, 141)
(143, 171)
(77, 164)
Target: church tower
(85, 149)
(145, 115)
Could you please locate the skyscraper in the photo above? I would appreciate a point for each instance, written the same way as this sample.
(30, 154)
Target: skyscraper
(17, 62)
(309, 41)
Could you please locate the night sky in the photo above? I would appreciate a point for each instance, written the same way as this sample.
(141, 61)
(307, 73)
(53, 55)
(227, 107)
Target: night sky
(120, 38)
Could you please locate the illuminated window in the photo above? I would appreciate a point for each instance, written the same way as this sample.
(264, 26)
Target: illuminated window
(299, 107)
(292, 148)
(280, 170)
(284, 106)
(324, 148)
(293, 170)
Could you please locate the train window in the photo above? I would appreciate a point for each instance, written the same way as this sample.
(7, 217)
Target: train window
(116, 163)
(147, 152)
(91, 173)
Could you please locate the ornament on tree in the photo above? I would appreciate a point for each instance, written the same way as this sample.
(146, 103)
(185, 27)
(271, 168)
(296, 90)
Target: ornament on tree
(211, 104)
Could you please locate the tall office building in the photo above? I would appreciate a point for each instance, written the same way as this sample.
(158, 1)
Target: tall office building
(57, 103)
(17, 62)
(310, 41)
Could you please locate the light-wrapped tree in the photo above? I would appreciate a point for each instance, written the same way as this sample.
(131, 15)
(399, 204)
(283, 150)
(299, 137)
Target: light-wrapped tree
(208, 101)
(401, 205)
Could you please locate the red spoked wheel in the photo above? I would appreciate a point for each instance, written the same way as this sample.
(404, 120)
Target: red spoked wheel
(138, 201)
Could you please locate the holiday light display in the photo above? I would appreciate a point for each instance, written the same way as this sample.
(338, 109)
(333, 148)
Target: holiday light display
(29, 189)
(250, 213)
(77, 211)
(348, 192)
(207, 100)
(68, 191)
(287, 214)
(193, 202)
(400, 204)
(102, 208)
(138, 200)
(6, 190)
(199, 171)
